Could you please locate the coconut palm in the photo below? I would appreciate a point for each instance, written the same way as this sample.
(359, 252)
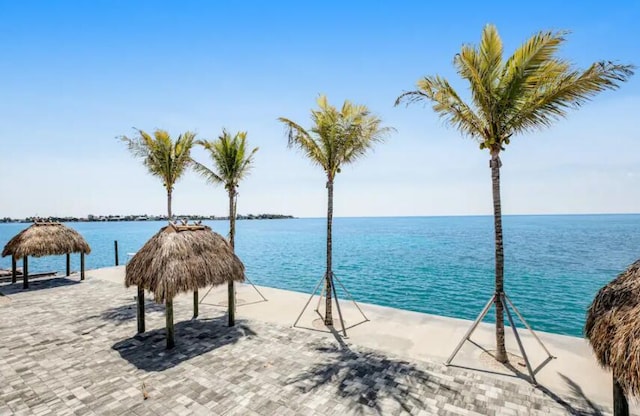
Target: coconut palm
(231, 163)
(529, 91)
(163, 157)
(337, 137)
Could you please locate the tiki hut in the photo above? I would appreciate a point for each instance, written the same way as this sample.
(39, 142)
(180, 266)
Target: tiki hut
(181, 258)
(44, 239)
(613, 330)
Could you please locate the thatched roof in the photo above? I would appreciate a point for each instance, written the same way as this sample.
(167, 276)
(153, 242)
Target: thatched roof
(182, 259)
(46, 239)
(613, 328)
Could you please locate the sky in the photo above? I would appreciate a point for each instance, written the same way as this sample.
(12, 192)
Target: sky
(74, 75)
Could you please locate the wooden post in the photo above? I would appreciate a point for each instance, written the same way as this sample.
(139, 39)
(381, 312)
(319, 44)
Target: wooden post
(14, 273)
(232, 303)
(169, 317)
(25, 272)
(195, 303)
(620, 404)
(140, 310)
(68, 264)
(115, 245)
(81, 266)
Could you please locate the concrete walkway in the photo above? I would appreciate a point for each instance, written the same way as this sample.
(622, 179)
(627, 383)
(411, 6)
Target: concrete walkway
(69, 348)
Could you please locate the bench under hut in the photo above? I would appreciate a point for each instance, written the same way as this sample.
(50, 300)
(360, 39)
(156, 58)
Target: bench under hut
(181, 258)
(44, 239)
(613, 330)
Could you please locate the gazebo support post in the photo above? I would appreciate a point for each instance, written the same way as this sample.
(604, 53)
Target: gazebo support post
(25, 272)
(140, 314)
(232, 303)
(195, 303)
(81, 266)
(68, 264)
(169, 318)
(14, 272)
(620, 404)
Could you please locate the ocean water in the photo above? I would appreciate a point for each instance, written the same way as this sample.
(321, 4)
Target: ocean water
(554, 265)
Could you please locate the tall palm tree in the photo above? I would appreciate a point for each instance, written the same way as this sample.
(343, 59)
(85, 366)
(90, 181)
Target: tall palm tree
(337, 137)
(529, 91)
(163, 157)
(231, 163)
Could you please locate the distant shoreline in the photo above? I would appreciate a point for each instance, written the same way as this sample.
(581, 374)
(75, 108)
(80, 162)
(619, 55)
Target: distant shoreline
(124, 218)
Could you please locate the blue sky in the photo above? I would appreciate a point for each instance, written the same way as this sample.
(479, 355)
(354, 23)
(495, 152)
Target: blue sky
(76, 74)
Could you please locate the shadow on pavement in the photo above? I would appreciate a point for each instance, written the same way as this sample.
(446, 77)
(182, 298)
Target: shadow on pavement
(148, 351)
(372, 380)
(37, 284)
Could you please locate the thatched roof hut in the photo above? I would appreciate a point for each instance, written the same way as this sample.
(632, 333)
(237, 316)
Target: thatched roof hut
(183, 259)
(46, 239)
(613, 329)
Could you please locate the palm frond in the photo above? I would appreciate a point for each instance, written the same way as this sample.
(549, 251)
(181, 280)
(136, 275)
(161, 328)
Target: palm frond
(551, 95)
(209, 175)
(299, 138)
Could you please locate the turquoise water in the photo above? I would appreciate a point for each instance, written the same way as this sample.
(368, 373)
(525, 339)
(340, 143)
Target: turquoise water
(441, 265)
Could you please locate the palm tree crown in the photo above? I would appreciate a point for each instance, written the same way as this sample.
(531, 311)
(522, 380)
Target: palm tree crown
(163, 157)
(529, 90)
(338, 136)
(231, 159)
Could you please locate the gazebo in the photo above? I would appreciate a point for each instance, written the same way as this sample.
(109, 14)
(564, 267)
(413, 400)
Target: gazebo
(613, 330)
(44, 239)
(181, 258)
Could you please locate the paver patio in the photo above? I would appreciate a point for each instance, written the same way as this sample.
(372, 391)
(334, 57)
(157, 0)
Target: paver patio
(69, 348)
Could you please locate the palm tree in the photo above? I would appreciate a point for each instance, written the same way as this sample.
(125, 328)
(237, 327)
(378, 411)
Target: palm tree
(163, 157)
(530, 90)
(231, 163)
(337, 137)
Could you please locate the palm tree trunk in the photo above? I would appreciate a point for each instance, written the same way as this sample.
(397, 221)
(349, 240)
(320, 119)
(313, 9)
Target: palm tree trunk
(231, 292)
(169, 204)
(501, 352)
(328, 317)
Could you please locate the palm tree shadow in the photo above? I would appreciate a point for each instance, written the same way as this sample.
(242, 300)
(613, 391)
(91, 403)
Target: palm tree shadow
(588, 408)
(148, 351)
(370, 379)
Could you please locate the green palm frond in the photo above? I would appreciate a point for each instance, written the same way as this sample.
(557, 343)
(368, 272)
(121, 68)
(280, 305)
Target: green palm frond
(231, 161)
(550, 96)
(529, 91)
(336, 137)
(162, 156)
(447, 104)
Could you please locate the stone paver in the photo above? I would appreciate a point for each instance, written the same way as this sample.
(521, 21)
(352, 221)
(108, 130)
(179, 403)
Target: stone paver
(68, 348)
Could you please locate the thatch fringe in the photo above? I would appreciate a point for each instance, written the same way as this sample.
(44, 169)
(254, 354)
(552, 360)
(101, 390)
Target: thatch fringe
(183, 259)
(46, 239)
(613, 328)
